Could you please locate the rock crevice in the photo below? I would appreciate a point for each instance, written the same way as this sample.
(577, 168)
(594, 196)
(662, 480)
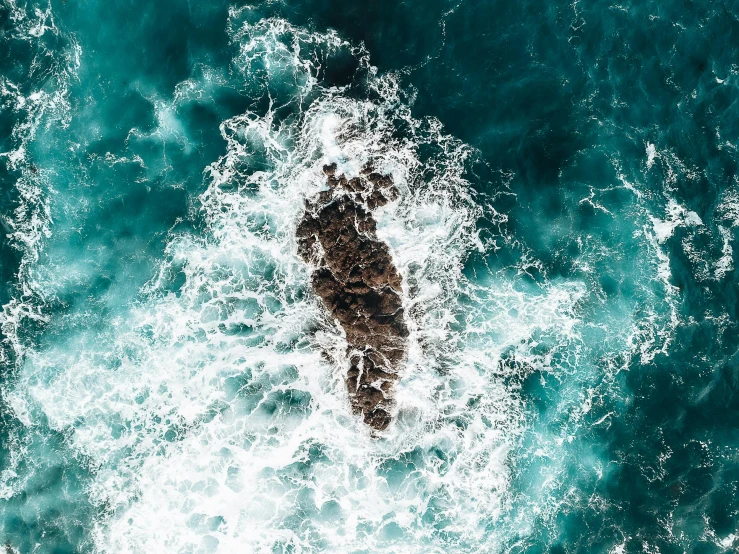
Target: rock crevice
(355, 277)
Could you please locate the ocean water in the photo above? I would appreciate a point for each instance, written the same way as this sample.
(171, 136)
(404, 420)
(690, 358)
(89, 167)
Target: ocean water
(566, 232)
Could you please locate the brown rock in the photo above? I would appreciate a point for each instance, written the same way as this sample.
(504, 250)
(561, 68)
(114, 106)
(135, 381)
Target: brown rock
(359, 284)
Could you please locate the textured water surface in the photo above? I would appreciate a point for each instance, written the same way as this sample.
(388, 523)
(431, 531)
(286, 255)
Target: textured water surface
(566, 234)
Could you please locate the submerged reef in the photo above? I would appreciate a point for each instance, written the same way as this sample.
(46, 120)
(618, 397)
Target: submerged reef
(355, 277)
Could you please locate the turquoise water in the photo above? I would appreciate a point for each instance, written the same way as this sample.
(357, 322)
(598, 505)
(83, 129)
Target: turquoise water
(566, 232)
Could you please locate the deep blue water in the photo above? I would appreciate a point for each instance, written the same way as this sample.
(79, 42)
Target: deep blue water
(566, 233)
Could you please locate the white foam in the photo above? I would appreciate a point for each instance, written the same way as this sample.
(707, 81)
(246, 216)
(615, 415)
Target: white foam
(180, 404)
(174, 363)
(725, 263)
(676, 216)
(728, 209)
(30, 224)
(651, 154)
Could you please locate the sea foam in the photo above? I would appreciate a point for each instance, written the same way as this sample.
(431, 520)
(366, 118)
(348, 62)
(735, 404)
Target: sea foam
(205, 409)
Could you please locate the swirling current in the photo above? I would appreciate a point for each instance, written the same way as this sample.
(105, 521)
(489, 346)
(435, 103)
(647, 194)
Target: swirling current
(565, 230)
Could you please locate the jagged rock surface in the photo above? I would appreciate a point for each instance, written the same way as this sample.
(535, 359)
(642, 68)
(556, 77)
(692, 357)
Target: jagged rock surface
(359, 284)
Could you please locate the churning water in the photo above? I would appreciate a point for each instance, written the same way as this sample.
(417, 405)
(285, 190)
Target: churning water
(565, 231)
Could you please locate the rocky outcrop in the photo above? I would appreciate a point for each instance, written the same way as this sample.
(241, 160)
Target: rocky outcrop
(356, 279)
